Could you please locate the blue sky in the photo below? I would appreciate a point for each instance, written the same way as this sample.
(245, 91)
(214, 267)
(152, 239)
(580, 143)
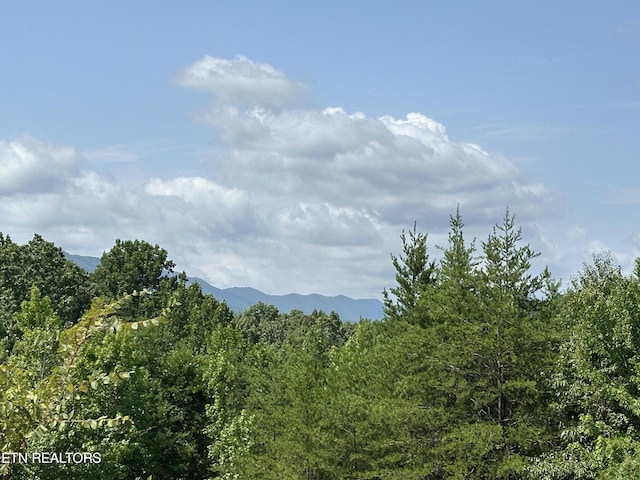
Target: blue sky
(285, 145)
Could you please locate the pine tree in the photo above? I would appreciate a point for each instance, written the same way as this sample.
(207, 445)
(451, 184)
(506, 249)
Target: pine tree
(414, 273)
(453, 298)
(487, 344)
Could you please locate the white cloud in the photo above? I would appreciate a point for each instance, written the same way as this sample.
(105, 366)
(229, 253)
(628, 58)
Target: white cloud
(86, 200)
(196, 191)
(241, 80)
(301, 200)
(333, 189)
(85, 212)
(402, 169)
(325, 224)
(195, 204)
(29, 166)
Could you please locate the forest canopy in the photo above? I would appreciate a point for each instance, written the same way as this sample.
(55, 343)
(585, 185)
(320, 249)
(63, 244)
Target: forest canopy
(481, 368)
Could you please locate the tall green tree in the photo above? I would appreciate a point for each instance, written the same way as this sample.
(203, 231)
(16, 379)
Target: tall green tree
(453, 298)
(43, 265)
(40, 329)
(488, 342)
(414, 273)
(131, 265)
(234, 371)
(514, 345)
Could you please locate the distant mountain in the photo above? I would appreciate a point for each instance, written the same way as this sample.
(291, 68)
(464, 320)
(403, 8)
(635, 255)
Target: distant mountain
(241, 298)
(88, 263)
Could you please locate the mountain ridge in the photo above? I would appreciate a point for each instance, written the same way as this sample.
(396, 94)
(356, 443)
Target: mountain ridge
(240, 298)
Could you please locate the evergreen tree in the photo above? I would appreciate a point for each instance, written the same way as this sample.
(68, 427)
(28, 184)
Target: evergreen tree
(453, 298)
(414, 273)
(514, 344)
(487, 345)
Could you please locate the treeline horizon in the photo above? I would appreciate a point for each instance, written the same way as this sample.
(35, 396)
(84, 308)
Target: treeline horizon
(481, 368)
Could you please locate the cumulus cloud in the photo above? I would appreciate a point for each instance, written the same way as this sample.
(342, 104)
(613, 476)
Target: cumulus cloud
(301, 199)
(339, 186)
(29, 166)
(398, 169)
(241, 80)
(85, 211)
(197, 204)
(401, 169)
(325, 224)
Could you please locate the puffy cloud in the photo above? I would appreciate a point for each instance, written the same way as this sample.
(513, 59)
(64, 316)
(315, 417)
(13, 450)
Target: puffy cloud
(241, 80)
(192, 204)
(325, 224)
(84, 211)
(86, 201)
(301, 200)
(196, 191)
(401, 169)
(29, 166)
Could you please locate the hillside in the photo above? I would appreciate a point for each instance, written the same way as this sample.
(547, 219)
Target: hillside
(240, 298)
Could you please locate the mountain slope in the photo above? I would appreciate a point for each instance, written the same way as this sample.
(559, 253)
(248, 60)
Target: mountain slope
(241, 298)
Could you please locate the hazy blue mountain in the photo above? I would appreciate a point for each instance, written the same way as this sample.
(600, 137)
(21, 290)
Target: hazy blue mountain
(241, 298)
(88, 263)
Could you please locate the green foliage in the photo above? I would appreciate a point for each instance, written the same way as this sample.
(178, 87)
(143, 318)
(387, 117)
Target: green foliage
(413, 274)
(597, 384)
(38, 264)
(453, 299)
(267, 384)
(452, 384)
(166, 396)
(487, 343)
(371, 417)
(131, 266)
(229, 426)
(36, 404)
(263, 323)
(480, 369)
(40, 329)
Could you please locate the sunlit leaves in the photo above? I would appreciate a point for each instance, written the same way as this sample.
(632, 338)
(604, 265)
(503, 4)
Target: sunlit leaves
(32, 406)
(597, 382)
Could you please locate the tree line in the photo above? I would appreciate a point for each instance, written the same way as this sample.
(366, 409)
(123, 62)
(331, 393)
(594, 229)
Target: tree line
(481, 368)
